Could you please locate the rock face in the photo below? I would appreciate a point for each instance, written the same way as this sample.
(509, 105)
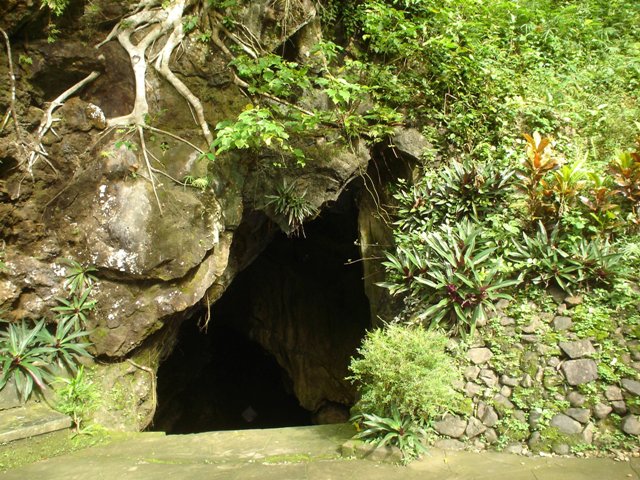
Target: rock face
(160, 252)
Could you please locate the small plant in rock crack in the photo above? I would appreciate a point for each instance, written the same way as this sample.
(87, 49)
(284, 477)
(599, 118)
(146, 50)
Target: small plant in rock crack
(292, 206)
(77, 397)
(30, 353)
(598, 263)
(78, 278)
(397, 430)
(75, 309)
(65, 344)
(201, 183)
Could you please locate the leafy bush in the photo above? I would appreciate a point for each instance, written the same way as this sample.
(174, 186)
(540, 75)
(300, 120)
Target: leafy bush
(405, 368)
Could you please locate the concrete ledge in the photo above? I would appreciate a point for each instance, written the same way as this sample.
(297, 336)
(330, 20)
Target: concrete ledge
(24, 422)
(367, 451)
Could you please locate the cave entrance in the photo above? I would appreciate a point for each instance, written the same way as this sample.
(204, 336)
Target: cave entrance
(279, 340)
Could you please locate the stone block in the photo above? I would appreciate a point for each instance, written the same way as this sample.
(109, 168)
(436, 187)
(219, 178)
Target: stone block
(580, 371)
(577, 349)
(565, 424)
(451, 426)
(561, 323)
(479, 355)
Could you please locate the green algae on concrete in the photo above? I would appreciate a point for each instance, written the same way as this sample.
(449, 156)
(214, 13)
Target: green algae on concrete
(23, 422)
(297, 453)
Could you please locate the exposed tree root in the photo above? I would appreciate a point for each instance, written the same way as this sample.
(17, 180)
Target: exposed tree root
(38, 151)
(12, 83)
(154, 398)
(149, 169)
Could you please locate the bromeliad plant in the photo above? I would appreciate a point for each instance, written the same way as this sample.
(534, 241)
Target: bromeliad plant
(455, 274)
(31, 353)
(397, 430)
(292, 206)
(543, 261)
(24, 358)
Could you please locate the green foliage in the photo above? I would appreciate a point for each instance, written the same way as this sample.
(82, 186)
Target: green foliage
(406, 368)
(30, 353)
(25, 59)
(56, 6)
(78, 278)
(254, 128)
(451, 193)
(75, 309)
(201, 183)
(543, 261)
(77, 397)
(454, 274)
(24, 358)
(292, 206)
(273, 75)
(65, 344)
(398, 430)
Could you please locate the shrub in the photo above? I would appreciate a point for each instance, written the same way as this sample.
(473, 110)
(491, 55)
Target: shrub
(406, 368)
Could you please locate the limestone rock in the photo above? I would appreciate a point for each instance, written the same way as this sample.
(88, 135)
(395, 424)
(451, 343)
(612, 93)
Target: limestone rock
(565, 424)
(410, 142)
(472, 389)
(582, 415)
(561, 449)
(502, 403)
(488, 377)
(580, 371)
(534, 418)
(507, 321)
(471, 372)
(505, 391)
(587, 434)
(509, 381)
(451, 426)
(533, 326)
(474, 428)
(562, 323)
(534, 441)
(576, 399)
(613, 393)
(479, 355)
(489, 417)
(514, 448)
(631, 386)
(491, 436)
(631, 425)
(600, 410)
(577, 349)
(527, 381)
(573, 301)
(619, 407)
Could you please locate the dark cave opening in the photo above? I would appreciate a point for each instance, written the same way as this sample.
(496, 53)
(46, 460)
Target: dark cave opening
(279, 340)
